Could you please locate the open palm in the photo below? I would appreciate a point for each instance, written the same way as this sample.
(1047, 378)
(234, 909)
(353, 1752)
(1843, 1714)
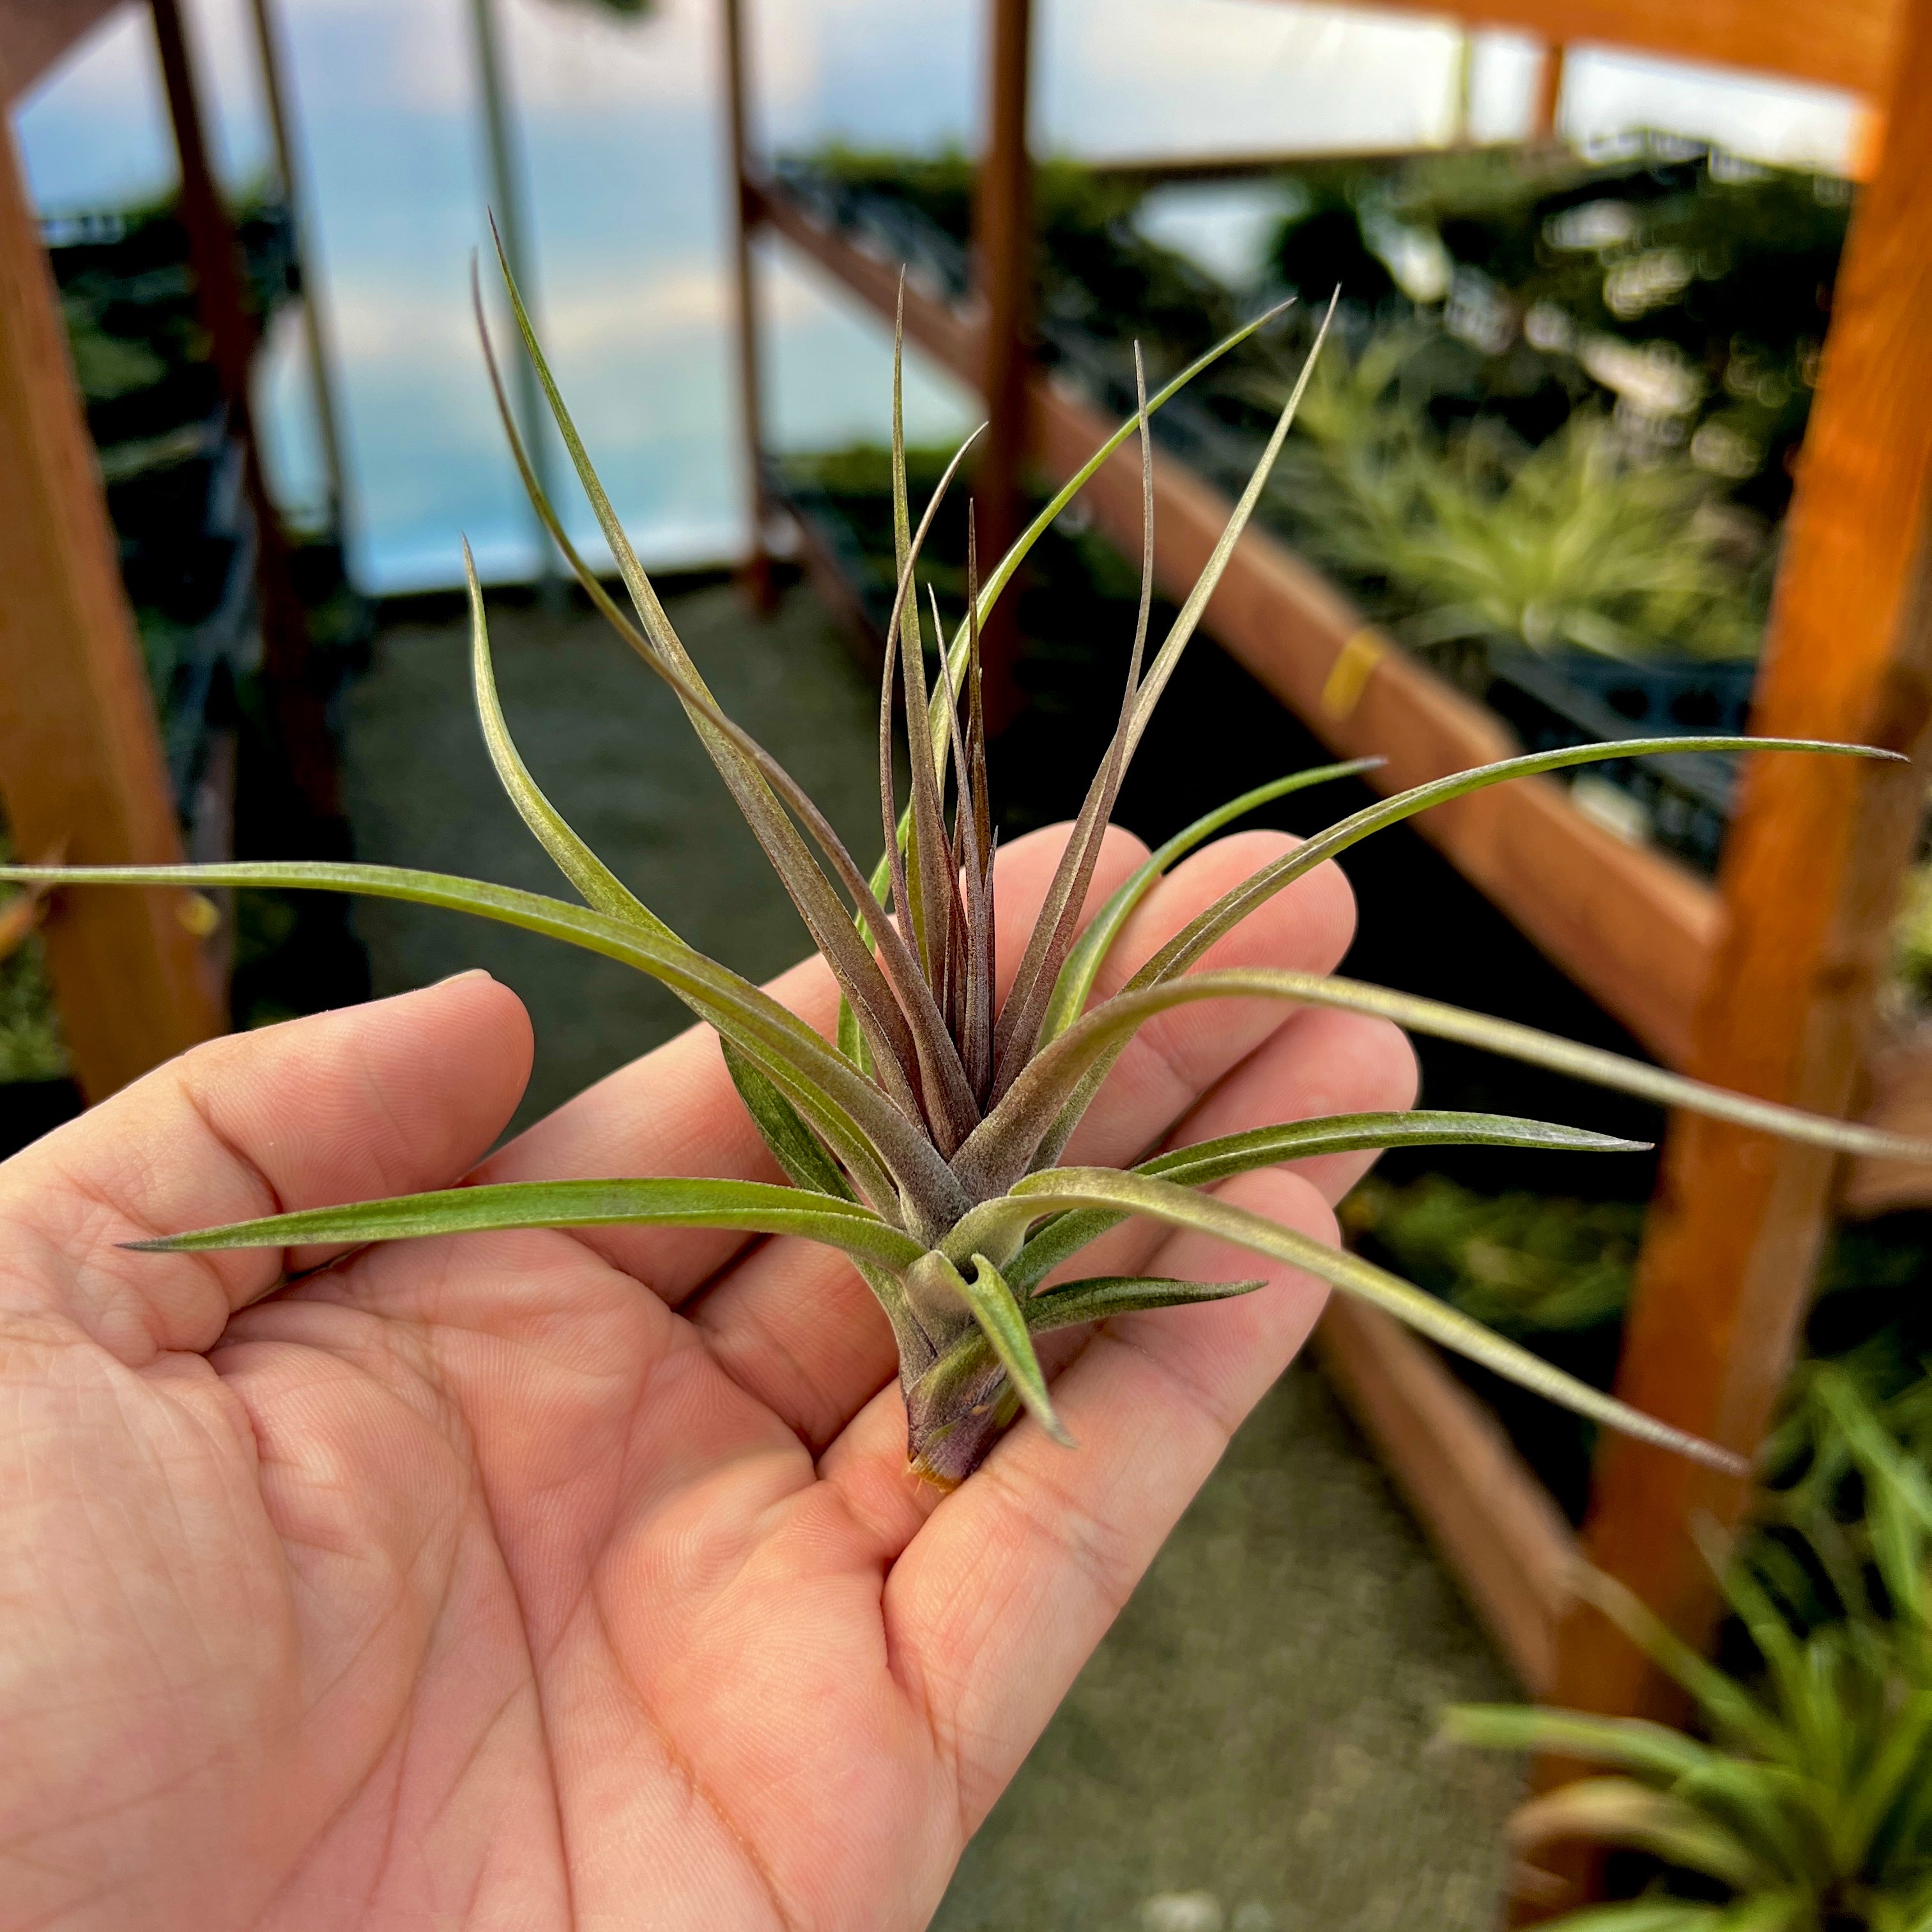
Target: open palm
(548, 1579)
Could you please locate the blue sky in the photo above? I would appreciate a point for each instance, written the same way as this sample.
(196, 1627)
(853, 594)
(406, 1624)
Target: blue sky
(623, 149)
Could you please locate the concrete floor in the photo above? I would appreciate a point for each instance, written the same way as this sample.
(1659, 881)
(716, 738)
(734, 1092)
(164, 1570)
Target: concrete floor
(1248, 1750)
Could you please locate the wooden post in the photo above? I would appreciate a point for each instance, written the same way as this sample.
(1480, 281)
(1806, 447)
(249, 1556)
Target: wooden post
(223, 311)
(81, 768)
(1547, 107)
(1003, 248)
(1809, 880)
(315, 324)
(745, 211)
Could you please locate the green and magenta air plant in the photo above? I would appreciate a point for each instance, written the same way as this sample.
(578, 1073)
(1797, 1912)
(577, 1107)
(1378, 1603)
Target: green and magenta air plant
(923, 1142)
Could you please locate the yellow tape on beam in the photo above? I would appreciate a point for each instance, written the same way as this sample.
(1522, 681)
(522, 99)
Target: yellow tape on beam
(1348, 676)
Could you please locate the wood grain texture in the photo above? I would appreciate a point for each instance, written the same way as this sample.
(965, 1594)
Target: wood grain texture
(1810, 878)
(1488, 1518)
(80, 759)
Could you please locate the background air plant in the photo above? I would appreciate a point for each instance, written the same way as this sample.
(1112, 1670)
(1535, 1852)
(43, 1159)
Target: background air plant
(1809, 1807)
(922, 1143)
(1576, 543)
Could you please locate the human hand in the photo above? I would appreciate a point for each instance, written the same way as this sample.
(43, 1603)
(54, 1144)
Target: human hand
(574, 1578)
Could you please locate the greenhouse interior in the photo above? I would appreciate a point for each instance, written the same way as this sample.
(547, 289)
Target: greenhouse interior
(579, 1453)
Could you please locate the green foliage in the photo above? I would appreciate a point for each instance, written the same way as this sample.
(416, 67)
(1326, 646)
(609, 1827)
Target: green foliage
(1911, 938)
(1523, 1264)
(1806, 1807)
(923, 1145)
(1474, 537)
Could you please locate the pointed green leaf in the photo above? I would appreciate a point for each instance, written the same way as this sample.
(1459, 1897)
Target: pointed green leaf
(1017, 1131)
(1195, 938)
(1188, 944)
(1102, 1296)
(1004, 1327)
(1207, 1161)
(751, 1206)
(1635, 1743)
(600, 887)
(1183, 628)
(1181, 1208)
(794, 1145)
(871, 1126)
(1090, 952)
(1003, 572)
(1621, 1811)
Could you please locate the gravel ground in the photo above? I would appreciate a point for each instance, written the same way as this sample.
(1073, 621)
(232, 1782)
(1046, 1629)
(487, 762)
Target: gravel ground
(1248, 1750)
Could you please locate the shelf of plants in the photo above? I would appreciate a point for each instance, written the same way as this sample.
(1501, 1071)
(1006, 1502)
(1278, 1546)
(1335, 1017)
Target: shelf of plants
(1628, 923)
(1548, 453)
(171, 468)
(1512, 504)
(1497, 1234)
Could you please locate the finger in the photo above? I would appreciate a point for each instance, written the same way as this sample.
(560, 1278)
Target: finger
(797, 1328)
(675, 1111)
(388, 1098)
(1001, 1590)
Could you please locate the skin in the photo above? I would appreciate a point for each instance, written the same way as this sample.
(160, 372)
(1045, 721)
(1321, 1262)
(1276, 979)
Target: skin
(547, 1579)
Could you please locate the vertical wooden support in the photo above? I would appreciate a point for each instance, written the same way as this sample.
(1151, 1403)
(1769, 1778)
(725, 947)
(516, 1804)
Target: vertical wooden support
(1002, 249)
(1546, 109)
(222, 308)
(1810, 879)
(757, 566)
(315, 322)
(81, 768)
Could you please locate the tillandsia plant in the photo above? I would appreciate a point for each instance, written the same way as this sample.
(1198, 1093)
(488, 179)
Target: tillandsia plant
(922, 1142)
(1576, 543)
(1808, 1807)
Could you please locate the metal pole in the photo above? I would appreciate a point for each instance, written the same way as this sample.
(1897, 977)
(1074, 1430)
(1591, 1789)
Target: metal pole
(315, 326)
(757, 567)
(507, 195)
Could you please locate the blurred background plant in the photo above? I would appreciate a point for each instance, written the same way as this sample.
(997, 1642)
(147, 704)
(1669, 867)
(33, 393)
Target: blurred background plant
(1474, 536)
(1805, 1805)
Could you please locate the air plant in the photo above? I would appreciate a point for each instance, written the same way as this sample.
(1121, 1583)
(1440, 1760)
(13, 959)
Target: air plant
(1808, 1806)
(922, 1142)
(1575, 543)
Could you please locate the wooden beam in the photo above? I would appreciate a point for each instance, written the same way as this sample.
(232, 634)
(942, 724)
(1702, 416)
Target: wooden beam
(745, 215)
(1003, 275)
(1633, 929)
(1810, 882)
(1846, 44)
(1546, 109)
(81, 769)
(1490, 1520)
(35, 34)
